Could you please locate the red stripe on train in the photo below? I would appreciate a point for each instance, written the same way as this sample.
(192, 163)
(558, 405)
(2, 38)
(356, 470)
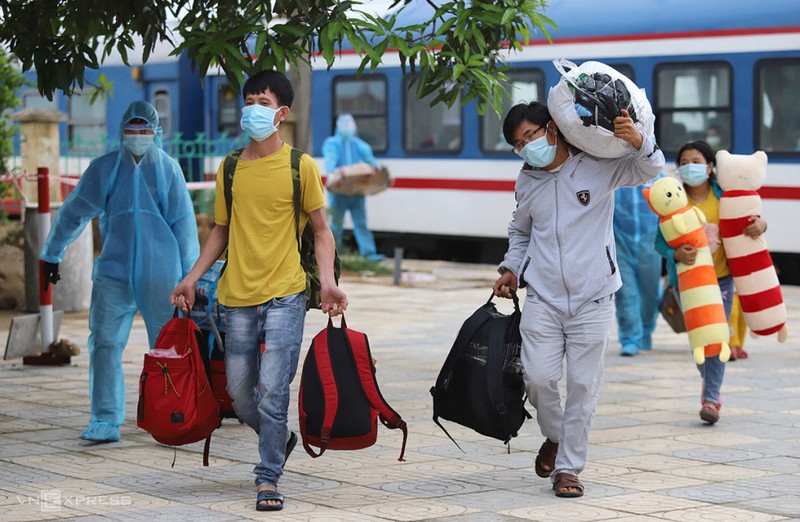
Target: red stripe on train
(492, 185)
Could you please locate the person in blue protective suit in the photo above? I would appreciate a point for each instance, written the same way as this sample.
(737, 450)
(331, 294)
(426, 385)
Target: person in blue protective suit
(149, 234)
(639, 264)
(340, 150)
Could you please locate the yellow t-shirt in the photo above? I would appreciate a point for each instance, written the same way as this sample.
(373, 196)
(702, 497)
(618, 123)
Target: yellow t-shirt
(710, 207)
(263, 261)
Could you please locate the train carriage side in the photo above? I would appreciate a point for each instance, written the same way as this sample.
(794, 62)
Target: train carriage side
(454, 175)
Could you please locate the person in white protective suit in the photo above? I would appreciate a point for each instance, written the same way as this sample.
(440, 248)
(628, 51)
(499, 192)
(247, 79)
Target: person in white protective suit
(340, 150)
(150, 242)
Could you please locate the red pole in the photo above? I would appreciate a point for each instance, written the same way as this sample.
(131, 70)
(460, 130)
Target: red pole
(45, 296)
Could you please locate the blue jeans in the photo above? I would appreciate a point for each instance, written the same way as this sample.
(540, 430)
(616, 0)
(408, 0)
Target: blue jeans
(713, 370)
(340, 205)
(258, 382)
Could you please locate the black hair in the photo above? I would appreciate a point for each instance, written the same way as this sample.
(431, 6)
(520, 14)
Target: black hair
(273, 81)
(700, 146)
(534, 112)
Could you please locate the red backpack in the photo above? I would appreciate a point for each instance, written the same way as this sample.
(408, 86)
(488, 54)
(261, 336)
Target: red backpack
(176, 405)
(340, 402)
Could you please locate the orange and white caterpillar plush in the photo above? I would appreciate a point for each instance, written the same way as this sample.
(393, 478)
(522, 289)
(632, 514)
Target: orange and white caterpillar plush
(701, 299)
(751, 265)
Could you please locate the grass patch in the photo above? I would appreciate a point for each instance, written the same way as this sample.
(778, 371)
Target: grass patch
(352, 262)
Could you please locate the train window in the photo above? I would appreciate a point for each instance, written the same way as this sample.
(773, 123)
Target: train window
(163, 104)
(230, 111)
(524, 86)
(86, 122)
(778, 118)
(693, 101)
(365, 99)
(430, 129)
(34, 100)
(625, 69)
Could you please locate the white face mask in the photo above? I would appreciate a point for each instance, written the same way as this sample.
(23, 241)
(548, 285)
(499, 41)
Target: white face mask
(138, 144)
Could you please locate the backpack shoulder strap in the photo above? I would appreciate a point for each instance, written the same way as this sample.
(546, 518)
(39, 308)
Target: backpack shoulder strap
(329, 390)
(228, 170)
(359, 347)
(296, 191)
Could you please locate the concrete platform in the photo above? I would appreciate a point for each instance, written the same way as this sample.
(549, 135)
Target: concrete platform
(651, 457)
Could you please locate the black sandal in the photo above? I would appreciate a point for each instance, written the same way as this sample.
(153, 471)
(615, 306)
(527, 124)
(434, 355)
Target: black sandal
(267, 495)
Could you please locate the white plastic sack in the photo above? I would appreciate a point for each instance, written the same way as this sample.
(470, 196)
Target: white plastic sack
(586, 99)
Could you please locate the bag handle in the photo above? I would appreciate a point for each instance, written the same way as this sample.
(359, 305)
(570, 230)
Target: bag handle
(343, 326)
(513, 298)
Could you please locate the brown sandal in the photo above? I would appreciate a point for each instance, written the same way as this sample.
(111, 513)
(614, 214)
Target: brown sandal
(546, 459)
(564, 483)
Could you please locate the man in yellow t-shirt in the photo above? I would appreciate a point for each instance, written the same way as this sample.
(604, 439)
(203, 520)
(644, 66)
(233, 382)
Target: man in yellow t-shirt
(263, 286)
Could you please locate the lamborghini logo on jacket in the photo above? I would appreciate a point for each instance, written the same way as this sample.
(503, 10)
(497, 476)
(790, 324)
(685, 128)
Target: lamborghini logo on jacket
(583, 197)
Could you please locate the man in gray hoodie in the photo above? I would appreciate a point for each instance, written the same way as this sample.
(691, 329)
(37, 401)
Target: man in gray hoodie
(561, 246)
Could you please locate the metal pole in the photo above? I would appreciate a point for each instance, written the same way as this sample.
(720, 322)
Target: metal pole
(398, 259)
(43, 226)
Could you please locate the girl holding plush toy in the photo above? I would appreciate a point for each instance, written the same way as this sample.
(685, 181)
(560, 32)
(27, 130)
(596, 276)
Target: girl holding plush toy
(695, 164)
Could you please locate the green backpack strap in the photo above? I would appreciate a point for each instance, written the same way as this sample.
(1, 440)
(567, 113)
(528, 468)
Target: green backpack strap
(296, 193)
(228, 170)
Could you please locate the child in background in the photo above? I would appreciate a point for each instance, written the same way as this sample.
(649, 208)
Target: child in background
(695, 164)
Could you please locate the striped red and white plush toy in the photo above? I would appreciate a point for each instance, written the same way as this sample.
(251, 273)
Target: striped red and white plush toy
(754, 276)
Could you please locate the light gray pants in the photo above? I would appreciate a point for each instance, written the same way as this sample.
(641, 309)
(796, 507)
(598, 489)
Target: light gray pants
(547, 337)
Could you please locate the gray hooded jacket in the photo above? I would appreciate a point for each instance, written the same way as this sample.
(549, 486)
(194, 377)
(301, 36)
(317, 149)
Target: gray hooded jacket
(561, 237)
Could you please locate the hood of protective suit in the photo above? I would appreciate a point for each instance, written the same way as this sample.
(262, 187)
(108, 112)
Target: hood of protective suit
(145, 111)
(346, 126)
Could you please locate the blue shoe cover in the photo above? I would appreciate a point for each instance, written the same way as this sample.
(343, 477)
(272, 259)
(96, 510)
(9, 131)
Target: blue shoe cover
(629, 350)
(101, 432)
(376, 257)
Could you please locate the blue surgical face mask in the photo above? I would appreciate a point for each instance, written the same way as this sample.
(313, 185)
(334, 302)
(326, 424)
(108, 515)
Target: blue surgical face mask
(693, 174)
(138, 144)
(347, 132)
(538, 153)
(259, 121)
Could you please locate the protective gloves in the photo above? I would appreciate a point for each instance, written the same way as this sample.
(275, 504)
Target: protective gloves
(50, 274)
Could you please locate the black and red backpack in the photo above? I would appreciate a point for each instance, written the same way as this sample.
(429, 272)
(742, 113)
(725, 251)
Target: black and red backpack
(340, 402)
(176, 404)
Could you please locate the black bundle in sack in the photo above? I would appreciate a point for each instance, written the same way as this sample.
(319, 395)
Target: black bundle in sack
(480, 385)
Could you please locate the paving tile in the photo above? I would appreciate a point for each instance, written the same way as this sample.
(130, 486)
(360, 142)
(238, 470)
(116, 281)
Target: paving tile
(643, 503)
(783, 505)
(411, 511)
(777, 464)
(720, 513)
(646, 480)
(720, 492)
(565, 509)
(79, 465)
